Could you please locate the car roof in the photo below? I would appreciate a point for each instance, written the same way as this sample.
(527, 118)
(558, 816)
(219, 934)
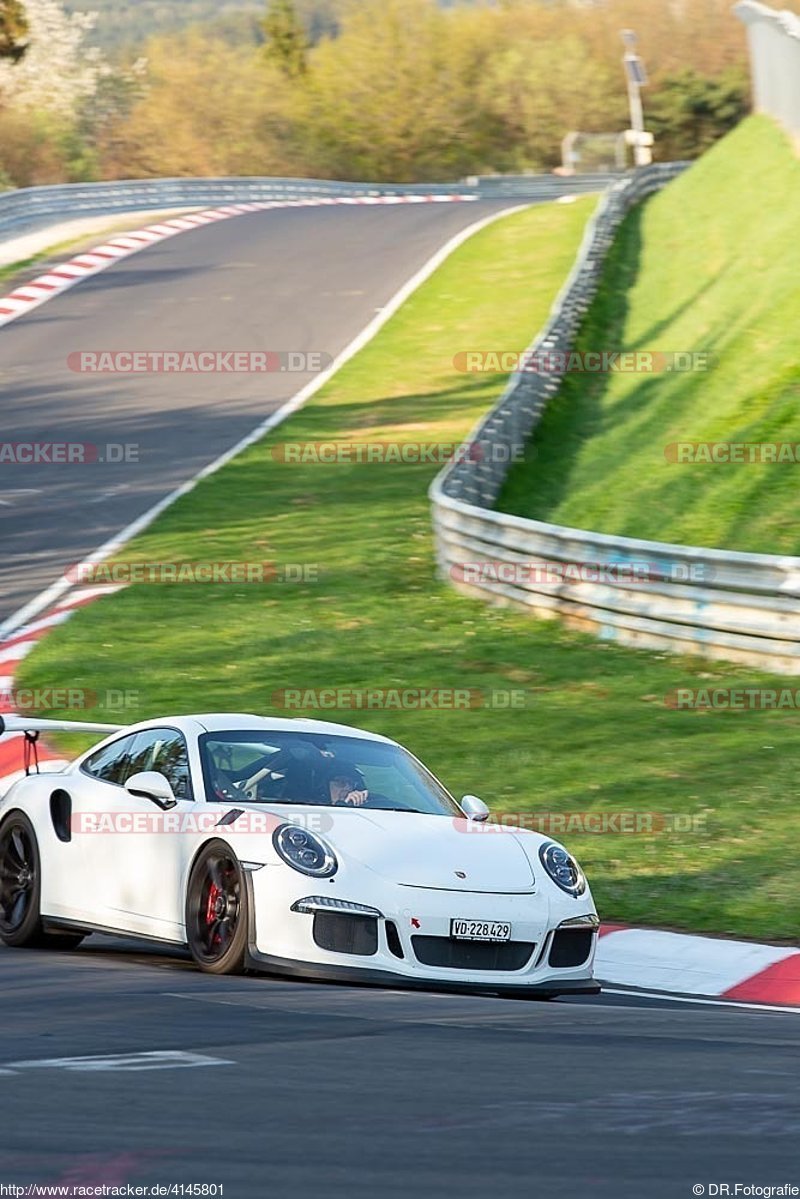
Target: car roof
(219, 722)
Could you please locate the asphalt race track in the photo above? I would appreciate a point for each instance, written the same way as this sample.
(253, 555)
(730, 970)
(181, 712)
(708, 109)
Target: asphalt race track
(318, 1090)
(293, 279)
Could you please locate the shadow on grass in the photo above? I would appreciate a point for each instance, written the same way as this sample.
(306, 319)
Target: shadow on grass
(536, 486)
(576, 415)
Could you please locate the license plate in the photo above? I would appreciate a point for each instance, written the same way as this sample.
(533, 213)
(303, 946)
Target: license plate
(480, 930)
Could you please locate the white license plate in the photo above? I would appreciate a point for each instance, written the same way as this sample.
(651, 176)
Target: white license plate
(480, 930)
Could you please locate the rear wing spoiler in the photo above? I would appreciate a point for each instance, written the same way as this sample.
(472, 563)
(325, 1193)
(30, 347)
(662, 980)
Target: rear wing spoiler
(25, 724)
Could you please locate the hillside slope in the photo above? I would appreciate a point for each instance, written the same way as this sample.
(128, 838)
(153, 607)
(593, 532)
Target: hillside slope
(709, 265)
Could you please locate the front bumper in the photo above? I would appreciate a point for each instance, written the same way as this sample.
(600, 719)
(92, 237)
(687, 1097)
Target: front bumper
(283, 941)
(369, 976)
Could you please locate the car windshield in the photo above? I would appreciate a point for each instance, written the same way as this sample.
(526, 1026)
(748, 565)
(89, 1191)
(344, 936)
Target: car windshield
(308, 768)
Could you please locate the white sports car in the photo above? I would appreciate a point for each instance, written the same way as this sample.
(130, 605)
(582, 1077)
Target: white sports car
(293, 847)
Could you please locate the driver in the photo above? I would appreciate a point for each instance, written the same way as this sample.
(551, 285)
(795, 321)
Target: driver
(299, 774)
(346, 785)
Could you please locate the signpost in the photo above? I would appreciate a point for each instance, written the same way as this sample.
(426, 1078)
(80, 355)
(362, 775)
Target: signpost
(637, 79)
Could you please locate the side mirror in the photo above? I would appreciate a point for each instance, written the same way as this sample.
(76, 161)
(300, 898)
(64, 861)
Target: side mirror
(150, 784)
(474, 808)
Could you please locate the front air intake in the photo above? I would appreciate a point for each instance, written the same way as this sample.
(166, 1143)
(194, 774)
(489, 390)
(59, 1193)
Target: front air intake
(571, 947)
(472, 955)
(393, 939)
(339, 932)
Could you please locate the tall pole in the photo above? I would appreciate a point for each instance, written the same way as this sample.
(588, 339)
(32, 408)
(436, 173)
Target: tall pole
(640, 156)
(635, 75)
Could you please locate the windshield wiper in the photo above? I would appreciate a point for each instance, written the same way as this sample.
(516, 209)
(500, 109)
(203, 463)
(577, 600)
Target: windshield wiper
(415, 811)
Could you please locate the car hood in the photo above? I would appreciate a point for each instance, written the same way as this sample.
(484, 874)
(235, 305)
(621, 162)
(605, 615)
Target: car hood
(431, 851)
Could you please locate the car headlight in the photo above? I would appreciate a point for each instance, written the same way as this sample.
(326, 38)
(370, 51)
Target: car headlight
(301, 850)
(562, 868)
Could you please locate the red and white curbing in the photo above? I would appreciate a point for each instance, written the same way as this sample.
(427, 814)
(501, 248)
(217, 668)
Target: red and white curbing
(12, 651)
(67, 274)
(706, 967)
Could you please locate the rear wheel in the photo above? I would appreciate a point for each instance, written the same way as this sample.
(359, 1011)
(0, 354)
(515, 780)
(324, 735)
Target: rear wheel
(20, 889)
(216, 911)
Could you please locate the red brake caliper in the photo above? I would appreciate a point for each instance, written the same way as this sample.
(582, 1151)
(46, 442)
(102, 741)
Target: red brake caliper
(211, 907)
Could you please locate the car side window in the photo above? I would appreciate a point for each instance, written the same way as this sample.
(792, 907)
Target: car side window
(111, 764)
(163, 750)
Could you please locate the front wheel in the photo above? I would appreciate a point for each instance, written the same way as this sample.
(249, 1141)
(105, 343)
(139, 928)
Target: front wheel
(216, 911)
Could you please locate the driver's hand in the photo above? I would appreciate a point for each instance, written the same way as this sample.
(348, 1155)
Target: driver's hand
(356, 798)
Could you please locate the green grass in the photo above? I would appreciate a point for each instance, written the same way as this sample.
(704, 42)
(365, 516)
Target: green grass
(594, 734)
(16, 268)
(712, 264)
(12, 269)
(84, 241)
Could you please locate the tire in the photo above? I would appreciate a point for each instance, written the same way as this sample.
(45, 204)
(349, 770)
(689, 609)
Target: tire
(216, 911)
(21, 888)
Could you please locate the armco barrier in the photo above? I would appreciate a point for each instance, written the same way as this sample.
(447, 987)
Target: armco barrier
(34, 207)
(774, 42)
(716, 603)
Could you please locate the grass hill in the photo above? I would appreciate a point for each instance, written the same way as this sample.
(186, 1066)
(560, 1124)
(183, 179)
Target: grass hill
(711, 265)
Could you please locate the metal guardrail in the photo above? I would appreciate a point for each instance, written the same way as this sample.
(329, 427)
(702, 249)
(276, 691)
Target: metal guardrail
(30, 208)
(541, 187)
(717, 603)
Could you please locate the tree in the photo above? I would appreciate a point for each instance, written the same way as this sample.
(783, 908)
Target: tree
(205, 108)
(689, 111)
(388, 99)
(57, 71)
(287, 42)
(539, 90)
(13, 30)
